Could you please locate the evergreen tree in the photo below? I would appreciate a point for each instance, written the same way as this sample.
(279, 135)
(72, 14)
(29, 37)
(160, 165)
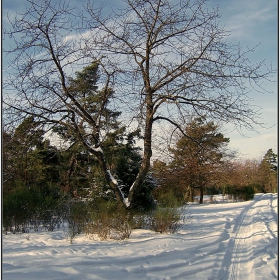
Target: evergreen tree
(30, 187)
(18, 148)
(268, 171)
(199, 155)
(7, 161)
(29, 159)
(123, 159)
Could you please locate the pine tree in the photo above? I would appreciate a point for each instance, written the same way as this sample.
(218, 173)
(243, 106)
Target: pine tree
(198, 155)
(268, 171)
(81, 169)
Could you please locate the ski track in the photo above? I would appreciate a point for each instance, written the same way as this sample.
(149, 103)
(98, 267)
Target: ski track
(241, 247)
(235, 245)
(239, 259)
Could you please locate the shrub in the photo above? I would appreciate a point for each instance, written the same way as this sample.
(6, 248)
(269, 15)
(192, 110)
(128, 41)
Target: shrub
(109, 220)
(26, 206)
(19, 208)
(166, 219)
(175, 192)
(168, 199)
(76, 216)
(141, 221)
(246, 193)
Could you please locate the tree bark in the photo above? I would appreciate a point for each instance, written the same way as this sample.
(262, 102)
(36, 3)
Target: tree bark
(136, 187)
(191, 194)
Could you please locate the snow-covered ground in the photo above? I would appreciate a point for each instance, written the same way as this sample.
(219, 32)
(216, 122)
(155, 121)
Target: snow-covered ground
(224, 241)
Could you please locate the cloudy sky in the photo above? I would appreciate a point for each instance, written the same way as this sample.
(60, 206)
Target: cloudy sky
(252, 23)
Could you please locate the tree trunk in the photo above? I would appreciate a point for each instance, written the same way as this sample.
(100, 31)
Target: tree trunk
(201, 194)
(135, 189)
(65, 180)
(109, 178)
(191, 194)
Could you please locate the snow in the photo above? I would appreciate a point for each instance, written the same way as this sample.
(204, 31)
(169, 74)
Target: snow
(126, 202)
(218, 241)
(98, 149)
(112, 178)
(125, 199)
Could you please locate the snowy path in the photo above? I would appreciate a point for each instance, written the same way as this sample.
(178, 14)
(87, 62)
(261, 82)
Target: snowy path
(253, 223)
(224, 241)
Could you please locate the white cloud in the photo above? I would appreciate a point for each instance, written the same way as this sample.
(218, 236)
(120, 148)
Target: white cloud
(255, 146)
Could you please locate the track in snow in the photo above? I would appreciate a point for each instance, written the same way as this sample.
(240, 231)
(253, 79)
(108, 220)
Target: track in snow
(240, 259)
(236, 241)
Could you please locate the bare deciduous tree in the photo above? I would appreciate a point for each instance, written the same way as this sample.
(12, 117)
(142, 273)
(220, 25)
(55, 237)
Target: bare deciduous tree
(165, 61)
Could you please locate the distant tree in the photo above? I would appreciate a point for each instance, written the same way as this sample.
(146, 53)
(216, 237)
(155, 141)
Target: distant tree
(17, 153)
(163, 59)
(7, 161)
(198, 163)
(161, 172)
(268, 170)
(242, 176)
(169, 182)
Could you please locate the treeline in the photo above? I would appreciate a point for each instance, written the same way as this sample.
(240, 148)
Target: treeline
(206, 166)
(44, 184)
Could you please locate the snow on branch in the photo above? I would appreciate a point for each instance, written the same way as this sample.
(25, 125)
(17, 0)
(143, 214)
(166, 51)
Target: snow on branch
(124, 199)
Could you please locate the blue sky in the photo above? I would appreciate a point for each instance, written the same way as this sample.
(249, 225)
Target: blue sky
(252, 23)
(255, 22)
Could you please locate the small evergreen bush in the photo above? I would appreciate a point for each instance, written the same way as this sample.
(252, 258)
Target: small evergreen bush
(167, 216)
(244, 192)
(76, 218)
(109, 220)
(166, 220)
